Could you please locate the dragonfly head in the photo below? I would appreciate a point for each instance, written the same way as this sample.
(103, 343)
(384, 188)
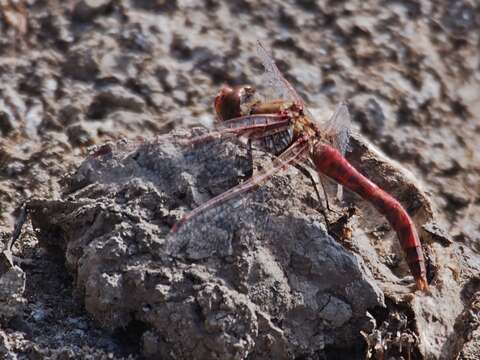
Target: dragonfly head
(230, 101)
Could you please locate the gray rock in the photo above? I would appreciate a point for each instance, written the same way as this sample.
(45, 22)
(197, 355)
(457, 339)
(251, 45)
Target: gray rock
(6, 351)
(12, 287)
(245, 279)
(7, 125)
(370, 116)
(157, 5)
(69, 114)
(79, 134)
(81, 64)
(14, 168)
(460, 17)
(86, 10)
(114, 98)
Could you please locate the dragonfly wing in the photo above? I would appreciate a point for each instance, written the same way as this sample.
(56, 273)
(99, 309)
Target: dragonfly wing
(275, 79)
(251, 125)
(216, 211)
(338, 129)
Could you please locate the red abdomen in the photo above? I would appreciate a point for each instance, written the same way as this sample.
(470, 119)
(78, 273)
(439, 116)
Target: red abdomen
(330, 162)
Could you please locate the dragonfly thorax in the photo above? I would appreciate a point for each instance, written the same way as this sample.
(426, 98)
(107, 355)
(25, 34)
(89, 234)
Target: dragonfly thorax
(243, 101)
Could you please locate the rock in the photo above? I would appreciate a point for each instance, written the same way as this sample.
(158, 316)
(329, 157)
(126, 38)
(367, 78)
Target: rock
(57, 28)
(405, 113)
(455, 199)
(78, 323)
(66, 354)
(50, 123)
(460, 17)
(79, 135)
(157, 5)
(14, 168)
(180, 48)
(6, 351)
(370, 116)
(81, 64)
(40, 314)
(87, 10)
(12, 287)
(34, 118)
(437, 233)
(246, 283)
(6, 262)
(7, 125)
(114, 98)
(471, 349)
(132, 120)
(150, 344)
(69, 114)
(136, 40)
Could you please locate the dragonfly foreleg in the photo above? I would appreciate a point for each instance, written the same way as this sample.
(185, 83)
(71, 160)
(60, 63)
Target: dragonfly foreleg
(325, 194)
(309, 176)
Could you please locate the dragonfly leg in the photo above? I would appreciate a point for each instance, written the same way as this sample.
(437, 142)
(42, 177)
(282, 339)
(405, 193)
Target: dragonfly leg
(326, 196)
(309, 175)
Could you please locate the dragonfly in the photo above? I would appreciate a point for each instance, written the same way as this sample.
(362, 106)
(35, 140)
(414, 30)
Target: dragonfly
(285, 128)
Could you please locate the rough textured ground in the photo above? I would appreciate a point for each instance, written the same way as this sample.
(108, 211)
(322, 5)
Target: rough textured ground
(78, 73)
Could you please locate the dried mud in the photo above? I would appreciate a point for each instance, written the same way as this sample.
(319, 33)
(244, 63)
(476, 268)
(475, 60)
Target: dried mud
(94, 275)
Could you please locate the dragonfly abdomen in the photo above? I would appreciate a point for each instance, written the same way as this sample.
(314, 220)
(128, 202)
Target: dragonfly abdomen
(330, 162)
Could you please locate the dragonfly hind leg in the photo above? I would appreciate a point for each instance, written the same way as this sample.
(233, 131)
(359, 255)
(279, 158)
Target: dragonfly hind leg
(325, 194)
(309, 175)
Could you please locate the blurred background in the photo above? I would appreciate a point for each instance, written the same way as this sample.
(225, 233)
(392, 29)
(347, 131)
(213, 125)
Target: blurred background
(79, 73)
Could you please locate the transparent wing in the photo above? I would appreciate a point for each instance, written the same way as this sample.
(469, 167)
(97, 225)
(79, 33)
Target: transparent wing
(252, 126)
(277, 83)
(214, 218)
(248, 126)
(338, 127)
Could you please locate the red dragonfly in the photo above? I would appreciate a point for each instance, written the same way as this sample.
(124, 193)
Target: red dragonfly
(285, 128)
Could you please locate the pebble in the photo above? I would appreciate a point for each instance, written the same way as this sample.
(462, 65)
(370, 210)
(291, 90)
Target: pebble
(114, 98)
(80, 64)
(87, 10)
(79, 135)
(7, 125)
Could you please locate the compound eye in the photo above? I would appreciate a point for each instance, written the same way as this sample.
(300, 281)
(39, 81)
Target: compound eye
(234, 102)
(227, 103)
